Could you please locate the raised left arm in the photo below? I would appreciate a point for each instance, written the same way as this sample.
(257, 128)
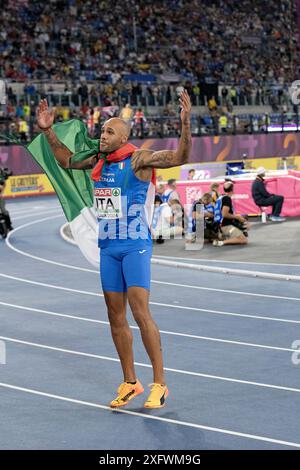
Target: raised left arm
(142, 159)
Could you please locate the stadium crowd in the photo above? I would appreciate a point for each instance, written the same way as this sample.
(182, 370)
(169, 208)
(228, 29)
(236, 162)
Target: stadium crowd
(137, 53)
(217, 40)
(20, 120)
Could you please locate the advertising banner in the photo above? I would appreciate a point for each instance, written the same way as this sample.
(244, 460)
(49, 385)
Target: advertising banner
(27, 185)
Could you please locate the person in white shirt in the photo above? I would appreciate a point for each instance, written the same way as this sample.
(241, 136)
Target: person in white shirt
(167, 220)
(171, 193)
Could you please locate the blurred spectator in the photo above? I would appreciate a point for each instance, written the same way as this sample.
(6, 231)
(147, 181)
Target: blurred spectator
(167, 220)
(126, 113)
(212, 104)
(223, 123)
(224, 94)
(220, 41)
(139, 122)
(214, 187)
(211, 228)
(171, 193)
(23, 130)
(160, 191)
(216, 45)
(169, 111)
(191, 174)
(178, 220)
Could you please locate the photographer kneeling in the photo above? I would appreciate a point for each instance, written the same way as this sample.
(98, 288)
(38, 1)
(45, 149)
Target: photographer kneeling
(234, 227)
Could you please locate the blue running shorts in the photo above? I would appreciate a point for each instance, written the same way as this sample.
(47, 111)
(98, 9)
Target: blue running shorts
(124, 266)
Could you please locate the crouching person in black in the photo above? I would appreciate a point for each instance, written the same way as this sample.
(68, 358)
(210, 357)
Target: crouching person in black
(234, 227)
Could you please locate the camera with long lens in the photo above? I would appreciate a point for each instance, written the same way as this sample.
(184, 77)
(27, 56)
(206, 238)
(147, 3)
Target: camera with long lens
(5, 222)
(5, 173)
(243, 226)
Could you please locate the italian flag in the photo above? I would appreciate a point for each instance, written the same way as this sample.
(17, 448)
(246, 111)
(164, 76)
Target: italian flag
(74, 188)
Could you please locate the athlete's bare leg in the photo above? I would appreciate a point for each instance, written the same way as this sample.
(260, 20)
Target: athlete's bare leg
(138, 299)
(121, 333)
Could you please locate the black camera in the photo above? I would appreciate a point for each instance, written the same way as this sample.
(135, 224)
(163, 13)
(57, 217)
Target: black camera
(242, 226)
(5, 173)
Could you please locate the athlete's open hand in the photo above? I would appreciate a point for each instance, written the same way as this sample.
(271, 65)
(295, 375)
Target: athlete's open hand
(45, 116)
(185, 104)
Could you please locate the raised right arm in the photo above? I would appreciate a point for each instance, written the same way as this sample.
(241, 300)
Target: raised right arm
(45, 119)
(60, 151)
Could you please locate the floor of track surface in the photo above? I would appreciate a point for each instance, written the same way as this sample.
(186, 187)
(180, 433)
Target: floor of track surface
(227, 343)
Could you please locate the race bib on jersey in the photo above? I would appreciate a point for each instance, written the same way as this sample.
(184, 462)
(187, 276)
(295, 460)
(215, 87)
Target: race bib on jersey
(107, 202)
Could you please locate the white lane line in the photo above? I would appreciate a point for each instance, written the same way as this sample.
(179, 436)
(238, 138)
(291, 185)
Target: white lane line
(34, 222)
(148, 366)
(229, 271)
(159, 304)
(205, 260)
(183, 307)
(45, 260)
(30, 215)
(255, 437)
(28, 207)
(33, 211)
(228, 291)
(51, 286)
(165, 332)
(38, 258)
(221, 312)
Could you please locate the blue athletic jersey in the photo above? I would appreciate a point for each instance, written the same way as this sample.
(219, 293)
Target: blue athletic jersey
(207, 208)
(132, 228)
(218, 217)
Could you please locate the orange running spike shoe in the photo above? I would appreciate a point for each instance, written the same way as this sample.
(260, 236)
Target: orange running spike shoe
(157, 397)
(127, 392)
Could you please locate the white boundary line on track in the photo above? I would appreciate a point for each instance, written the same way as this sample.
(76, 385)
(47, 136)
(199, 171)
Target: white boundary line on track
(165, 332)
(154, 417)
(32, 210)
(20, 209)
(53, 286)
(7, 240)
(26, 216)
(232, 271)
(180, 307)
(148, 366)
(226, 261)
(151, 417)
(199, 267)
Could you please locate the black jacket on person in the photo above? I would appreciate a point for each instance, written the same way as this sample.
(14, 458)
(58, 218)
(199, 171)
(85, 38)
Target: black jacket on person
(259, 192)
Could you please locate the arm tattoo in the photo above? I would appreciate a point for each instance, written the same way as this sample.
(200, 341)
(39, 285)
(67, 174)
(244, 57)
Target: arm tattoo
(60, 151)
(87, 164)
(166, 158)
(150, 159)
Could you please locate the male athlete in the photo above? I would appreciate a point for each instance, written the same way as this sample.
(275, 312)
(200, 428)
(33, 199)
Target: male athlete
(124, 198)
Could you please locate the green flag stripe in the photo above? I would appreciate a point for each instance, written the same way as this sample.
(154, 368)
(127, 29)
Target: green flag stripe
(74, 188)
